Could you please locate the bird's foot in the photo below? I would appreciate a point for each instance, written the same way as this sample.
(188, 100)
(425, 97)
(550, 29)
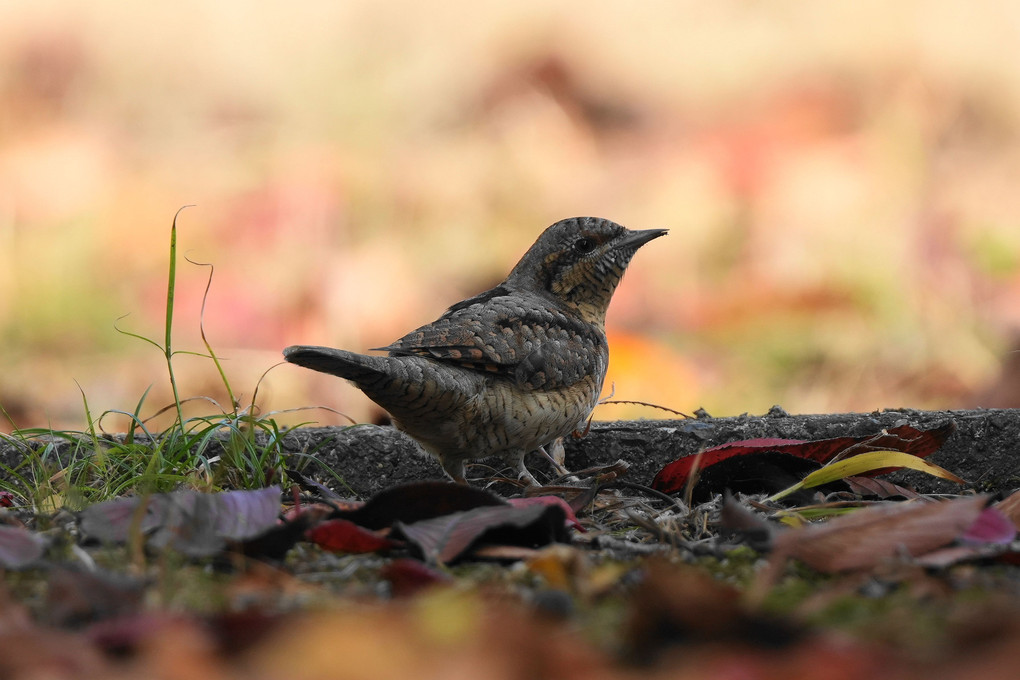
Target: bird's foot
(524, 475)
(556, 457)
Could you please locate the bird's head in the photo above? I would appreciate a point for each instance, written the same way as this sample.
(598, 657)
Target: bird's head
(579, 262)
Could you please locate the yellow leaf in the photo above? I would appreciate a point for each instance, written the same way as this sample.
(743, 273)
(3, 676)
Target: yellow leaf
(866, 462)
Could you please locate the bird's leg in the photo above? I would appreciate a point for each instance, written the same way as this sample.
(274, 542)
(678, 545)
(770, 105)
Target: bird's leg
(524, 474)
(454, 467)
(556, 457)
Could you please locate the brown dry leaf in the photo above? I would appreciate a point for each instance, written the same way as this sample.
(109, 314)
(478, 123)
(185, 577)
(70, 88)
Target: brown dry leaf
(75, 596)
(31, 651)
(504, 553)
(443, 634)
(877, 533)
(181, 648)
(684, 606)
(954, 554)
(871, 486)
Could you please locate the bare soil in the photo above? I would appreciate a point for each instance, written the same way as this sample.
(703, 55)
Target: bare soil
(984, 450)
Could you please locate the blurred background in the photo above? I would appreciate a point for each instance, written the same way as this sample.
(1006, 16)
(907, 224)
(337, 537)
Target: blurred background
(839, 180)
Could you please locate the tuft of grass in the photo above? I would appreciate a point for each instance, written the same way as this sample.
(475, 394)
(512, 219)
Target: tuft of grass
(234, 446)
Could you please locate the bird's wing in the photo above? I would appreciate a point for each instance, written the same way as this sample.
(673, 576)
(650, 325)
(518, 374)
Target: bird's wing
(537, 345)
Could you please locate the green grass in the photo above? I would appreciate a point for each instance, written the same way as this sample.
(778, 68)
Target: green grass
(233, 446)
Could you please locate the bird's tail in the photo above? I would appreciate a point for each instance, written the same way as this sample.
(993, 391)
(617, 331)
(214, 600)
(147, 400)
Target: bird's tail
(349, 365)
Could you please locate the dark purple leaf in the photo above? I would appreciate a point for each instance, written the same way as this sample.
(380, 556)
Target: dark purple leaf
(417, 501)
(189, 525)
(444, 539)
(196, 524)
(241, 515)
(550, 500)
(113, 520)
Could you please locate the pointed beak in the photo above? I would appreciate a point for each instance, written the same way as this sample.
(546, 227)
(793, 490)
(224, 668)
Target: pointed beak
(633, 240)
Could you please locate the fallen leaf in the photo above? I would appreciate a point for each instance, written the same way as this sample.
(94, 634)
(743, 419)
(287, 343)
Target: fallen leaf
(75, 597)
(683, 605)
(956, 554)
(550, 500)
(188, 525)
(870, 462)
(444, 539)
(125, 634)
(1010, 507)
(196, 524)
(417, 501)
(503, 553)
(871, 535)
(241, 515)
(756, 531)
(870, 486)
(560, 565)
(241, 630)
(35, 651)
(341, 535)
(111, 521)
(409, 577)
(274, 543)
(673, 477)
(19, 547)
(991, 526)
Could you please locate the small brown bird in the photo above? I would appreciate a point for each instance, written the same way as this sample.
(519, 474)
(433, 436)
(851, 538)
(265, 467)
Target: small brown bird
(511, 369)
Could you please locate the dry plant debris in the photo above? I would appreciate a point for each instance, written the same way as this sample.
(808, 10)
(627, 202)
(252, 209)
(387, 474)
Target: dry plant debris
(592, 576)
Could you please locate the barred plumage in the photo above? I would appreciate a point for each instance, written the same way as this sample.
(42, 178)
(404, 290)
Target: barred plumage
(512, 369)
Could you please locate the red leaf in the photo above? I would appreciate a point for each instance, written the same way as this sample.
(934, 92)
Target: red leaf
(988, 538)
(341, 535)
(1010, 507)
(409, 577)
(673, 477)
(991, 526)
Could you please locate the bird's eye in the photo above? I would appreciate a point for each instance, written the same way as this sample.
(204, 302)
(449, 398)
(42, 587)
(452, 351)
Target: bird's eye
(584, 245)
